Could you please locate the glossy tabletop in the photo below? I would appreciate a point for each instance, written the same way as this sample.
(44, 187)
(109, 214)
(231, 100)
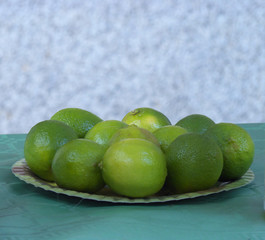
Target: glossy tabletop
(27, 212)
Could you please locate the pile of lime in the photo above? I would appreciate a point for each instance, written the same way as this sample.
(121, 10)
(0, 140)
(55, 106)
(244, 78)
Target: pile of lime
(139, 155)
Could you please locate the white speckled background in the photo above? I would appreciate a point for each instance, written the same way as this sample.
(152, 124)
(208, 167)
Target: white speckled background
(110, 56)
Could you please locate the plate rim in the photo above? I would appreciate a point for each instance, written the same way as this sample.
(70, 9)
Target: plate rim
(21, 166)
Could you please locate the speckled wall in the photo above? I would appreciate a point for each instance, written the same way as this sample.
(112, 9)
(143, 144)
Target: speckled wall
(110, 56)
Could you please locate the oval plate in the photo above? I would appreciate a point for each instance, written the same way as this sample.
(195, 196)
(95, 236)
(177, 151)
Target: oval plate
(21, 170)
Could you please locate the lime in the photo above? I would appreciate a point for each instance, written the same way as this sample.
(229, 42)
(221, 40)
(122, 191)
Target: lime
(132, 131)
(80, 120)
(76, 166)
(147, 118)
(42, 142)
(196, 123)
(237, 147)
(194, 163)
(102, 132)
(134, 168)
(167, 134)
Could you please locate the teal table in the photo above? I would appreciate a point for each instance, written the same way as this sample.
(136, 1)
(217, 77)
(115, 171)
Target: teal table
(27, 212)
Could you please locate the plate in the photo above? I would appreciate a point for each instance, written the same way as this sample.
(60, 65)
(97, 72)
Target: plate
(21, 170)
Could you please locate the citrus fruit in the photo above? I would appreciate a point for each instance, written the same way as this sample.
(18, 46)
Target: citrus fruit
(237, 147)
(132, 131)
(102, 132)
(42, 142)
(147, 118)
(134, 168)
(167, 134)
(80, 120)
(76, 166)
(194, 163)
(195, 123)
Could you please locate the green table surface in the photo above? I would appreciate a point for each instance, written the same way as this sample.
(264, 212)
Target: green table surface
(27, 212)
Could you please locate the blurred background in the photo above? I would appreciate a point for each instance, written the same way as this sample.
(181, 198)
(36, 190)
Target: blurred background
(110, 56)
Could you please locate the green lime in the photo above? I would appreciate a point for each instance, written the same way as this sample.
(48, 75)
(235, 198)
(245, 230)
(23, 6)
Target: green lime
(132, 131)
(76, 166)
(167, 134)
(42, 142)
(134, 168)
(102, 132)
(147, 118)
(80, 120)
(237, 147)
(196, 123)
(194, 163)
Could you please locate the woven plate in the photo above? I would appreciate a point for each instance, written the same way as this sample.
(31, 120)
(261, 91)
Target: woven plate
(21, 170)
